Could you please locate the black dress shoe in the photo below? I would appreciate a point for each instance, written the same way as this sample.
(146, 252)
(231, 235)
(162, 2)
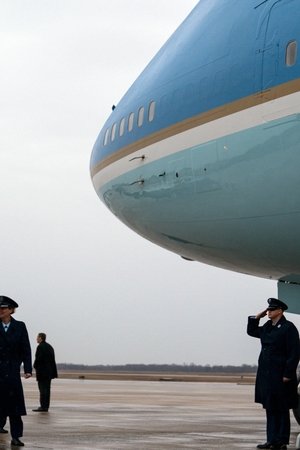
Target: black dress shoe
(265, 445)
(2, 431)
(16, 442)
(40, 410)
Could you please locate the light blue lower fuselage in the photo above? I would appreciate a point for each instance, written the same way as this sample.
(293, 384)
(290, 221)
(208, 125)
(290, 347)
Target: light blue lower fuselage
(212, 204)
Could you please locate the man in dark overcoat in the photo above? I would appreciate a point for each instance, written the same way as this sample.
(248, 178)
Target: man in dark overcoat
(46, 370)
(276, 380)
(14, 350)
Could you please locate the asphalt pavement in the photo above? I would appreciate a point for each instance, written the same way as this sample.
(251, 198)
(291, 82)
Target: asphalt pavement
(143, 415)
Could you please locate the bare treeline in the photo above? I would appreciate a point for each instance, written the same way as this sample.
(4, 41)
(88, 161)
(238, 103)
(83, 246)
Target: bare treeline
(169, 368)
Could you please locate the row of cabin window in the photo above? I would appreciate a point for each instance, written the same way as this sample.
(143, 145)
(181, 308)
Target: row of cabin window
(111, 133)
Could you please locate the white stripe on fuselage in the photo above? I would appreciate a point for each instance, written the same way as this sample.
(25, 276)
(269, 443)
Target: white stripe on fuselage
(227, 125)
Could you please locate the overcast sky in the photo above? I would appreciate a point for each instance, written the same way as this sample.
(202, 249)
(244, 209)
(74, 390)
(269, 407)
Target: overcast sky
(101, 293)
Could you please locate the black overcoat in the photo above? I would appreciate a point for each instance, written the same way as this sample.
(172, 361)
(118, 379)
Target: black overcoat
(279, 357)
(44, 364)
(14, 350)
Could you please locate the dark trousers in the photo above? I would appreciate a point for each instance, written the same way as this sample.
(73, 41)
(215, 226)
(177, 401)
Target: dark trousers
(278, 426)
(44, 388)
(2, 421)
(16, 425)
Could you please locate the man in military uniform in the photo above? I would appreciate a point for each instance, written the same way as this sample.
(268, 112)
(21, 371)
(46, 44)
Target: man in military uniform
(14, 350)
(276, 380)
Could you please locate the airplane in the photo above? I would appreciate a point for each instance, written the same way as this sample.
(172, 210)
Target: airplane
(201, 156)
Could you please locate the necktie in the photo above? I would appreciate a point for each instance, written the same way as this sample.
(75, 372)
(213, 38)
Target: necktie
(5, 328)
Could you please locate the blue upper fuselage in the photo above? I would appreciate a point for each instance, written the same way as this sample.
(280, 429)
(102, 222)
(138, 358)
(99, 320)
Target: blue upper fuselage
(218, 55)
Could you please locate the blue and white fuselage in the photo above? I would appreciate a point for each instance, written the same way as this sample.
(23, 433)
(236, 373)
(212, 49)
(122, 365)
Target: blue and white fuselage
(202, 154)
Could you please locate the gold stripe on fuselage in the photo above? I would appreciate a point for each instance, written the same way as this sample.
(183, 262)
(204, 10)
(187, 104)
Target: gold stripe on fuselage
(201, 119)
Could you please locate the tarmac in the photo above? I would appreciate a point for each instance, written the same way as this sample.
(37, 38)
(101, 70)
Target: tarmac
(142, 415)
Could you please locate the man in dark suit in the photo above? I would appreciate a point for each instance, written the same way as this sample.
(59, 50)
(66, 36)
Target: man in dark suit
(276, 380)
(14, 350)
(45, 368)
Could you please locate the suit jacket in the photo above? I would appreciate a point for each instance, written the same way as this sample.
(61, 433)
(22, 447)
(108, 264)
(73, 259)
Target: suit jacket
(278, 358)
(44, 364)
(14, 350)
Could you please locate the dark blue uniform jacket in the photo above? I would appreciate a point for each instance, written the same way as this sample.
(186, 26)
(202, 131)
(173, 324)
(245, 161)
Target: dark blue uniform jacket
(14, 350)
(279, 357)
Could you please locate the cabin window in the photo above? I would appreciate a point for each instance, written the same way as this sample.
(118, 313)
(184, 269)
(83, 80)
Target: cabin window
(151, 111)
(106, 136)
(113, 132)
(130, 121)
(291, 53)
(122, 127)
(141, 116)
